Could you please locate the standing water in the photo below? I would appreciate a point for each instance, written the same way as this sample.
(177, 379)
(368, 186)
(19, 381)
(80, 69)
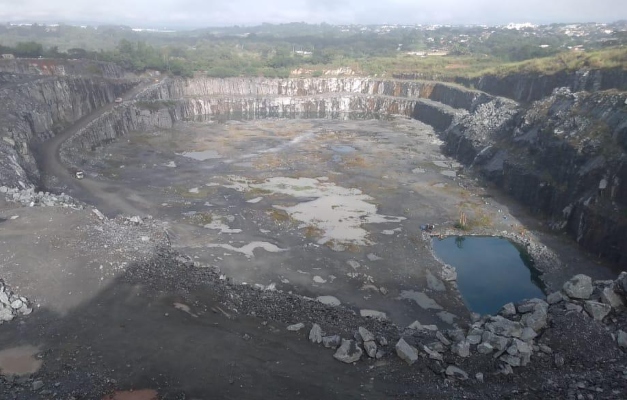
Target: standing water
(491, 271)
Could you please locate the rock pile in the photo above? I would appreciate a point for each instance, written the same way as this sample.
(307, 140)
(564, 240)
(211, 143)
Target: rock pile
(511, 337)
(12, 305)
(30, 198)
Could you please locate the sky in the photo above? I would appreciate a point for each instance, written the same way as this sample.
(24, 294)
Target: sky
(213, 13)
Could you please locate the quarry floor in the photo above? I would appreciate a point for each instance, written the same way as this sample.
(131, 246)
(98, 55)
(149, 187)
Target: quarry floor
(311, 207)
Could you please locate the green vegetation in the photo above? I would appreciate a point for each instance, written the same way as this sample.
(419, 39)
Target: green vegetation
(438, 52)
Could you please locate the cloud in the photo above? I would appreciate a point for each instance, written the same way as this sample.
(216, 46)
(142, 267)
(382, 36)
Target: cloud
(252, 12)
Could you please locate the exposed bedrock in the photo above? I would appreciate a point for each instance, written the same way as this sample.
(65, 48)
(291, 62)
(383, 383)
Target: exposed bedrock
(36, 110)
(563, 156)
(529, 87)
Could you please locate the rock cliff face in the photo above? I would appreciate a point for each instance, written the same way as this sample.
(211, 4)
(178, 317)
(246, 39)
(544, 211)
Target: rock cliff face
(564, 156)
(531, 87)
(36, 110)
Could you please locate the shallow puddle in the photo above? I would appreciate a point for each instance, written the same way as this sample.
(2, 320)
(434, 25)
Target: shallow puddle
(19, 360)
(491, 271)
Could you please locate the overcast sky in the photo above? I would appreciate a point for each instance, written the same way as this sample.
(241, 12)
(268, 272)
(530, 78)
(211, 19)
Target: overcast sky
(201, 13)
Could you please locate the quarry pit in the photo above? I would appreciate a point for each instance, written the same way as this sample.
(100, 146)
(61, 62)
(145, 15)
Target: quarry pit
(326, 193)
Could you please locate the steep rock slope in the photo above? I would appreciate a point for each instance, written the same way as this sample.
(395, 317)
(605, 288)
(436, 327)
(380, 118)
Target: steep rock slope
(37, 109)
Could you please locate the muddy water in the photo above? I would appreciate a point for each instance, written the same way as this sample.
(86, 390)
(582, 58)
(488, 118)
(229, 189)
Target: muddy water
(19, 360)
(317, 207)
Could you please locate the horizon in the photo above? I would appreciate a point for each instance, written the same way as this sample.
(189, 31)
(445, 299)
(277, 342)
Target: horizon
(197, 14)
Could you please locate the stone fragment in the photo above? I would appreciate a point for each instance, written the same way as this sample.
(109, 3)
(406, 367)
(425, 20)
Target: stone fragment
(479, 377)
(621, 339)
(621, 282)
(528, 334)
(511, 360)
(296, 327)
(406, 352)
(506, 369)
(456, 335)
(365, 334)
(349, 352)
(474, 339)
(579, 287)
(434, 355)
(371, 348)
(531, 305)
(331, 341)
(597, 310)
(38, 385)
(574, 307)
(537, 319)
(610, 297)
(416, 325)
(545, 349)
(383, 341)
(442, 338)
(508, 310)
(504, 327)
(461, 349)
(17, 304)
(558, 360)
(555, 298)
(436, 346)
(485, 348)
(6, 314)
(456, 372)
(496, 341)
(315, 334)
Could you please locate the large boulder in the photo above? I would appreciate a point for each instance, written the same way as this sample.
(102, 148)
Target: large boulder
(504, 327)
(349, 352)
(406, 352)
(579, 287)
(456, 372)
(497, 342)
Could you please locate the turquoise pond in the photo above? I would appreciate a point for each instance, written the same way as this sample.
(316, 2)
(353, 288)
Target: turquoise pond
(491, 271)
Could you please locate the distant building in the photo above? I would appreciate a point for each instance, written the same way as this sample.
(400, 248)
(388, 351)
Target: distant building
(8, 57)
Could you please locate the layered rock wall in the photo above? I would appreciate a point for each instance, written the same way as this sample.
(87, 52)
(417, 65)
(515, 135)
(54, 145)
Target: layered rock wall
(530, 87)
(37, 110)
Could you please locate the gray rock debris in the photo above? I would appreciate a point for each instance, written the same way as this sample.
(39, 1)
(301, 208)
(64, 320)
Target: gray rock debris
(461, 349)
(406, 352)
(579, 287)
(485, 348)
(371, 348)
(508, 310)
(456, 372)
(296, 327)
(434, 355)
(28, 197)
(12, 305)
(349, 352)
(315, 334)
(609, 296)
(504, 327)
(442, 338)
(597, 310)
(331, 341)
(555, 298)
(621, 339)
(365, 334)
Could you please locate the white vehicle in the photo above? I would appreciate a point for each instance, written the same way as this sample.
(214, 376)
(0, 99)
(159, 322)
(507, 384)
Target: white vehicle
(118, 100)
(79, 174)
